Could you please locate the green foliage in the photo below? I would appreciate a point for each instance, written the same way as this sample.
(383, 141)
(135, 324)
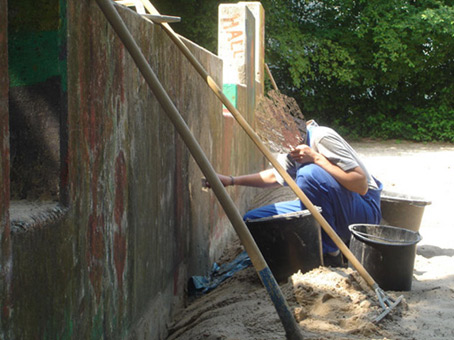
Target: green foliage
(421, 125)
(370, 68)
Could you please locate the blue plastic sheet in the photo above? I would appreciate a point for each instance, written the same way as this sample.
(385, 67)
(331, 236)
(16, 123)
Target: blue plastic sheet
(199, 285)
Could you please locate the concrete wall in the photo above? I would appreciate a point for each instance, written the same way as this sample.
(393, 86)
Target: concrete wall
(5, 231)
(37, 96)
(113, 258)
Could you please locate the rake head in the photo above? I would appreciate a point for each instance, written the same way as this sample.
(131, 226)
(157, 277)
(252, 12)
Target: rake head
(386, 302)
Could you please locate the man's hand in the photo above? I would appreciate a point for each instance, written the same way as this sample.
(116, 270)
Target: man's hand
(303, 154)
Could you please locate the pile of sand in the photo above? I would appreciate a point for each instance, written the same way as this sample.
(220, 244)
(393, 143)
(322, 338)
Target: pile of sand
(334, 302)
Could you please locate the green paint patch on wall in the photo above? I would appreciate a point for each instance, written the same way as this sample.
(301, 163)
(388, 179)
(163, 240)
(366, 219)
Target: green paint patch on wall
(231, 92)
(33, 57)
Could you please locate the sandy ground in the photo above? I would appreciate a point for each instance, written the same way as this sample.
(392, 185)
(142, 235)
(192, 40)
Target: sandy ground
(337, 303)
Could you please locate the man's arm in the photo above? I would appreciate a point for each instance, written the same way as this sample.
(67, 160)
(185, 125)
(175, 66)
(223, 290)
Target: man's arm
(262, 179)
(353, 180)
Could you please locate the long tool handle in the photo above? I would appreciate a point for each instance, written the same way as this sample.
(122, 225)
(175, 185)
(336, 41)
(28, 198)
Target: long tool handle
(255, 138)
(271, 78)
(291, 328)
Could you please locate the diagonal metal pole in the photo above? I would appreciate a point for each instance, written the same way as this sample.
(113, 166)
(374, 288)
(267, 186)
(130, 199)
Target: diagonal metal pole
(293, 332)
(381, 295)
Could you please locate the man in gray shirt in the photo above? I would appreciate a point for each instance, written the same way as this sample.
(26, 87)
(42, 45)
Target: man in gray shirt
(330, 173)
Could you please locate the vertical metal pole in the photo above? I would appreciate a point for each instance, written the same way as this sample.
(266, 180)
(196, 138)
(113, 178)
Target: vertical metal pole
(292, 330)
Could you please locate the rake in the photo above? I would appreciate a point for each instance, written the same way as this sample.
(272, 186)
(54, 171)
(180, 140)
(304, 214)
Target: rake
(386, 302)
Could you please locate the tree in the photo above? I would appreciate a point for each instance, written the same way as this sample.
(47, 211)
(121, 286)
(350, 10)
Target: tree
(369, 68)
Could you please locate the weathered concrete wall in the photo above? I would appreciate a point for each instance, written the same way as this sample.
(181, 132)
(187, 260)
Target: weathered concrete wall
(37, 96)
(114, 261)
(5, 235)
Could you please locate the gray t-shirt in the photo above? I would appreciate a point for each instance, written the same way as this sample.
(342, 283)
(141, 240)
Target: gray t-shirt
(330, 144)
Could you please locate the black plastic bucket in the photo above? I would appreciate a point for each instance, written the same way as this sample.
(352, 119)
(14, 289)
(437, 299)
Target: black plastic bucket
(402, 210)
(387, 253)
(288, 242)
